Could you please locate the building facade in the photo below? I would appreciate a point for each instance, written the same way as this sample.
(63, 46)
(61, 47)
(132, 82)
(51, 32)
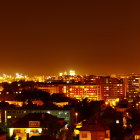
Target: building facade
(92, 92)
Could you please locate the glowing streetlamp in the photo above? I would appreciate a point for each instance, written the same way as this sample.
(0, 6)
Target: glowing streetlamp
(137, 105)
(127, 113)
(117, 121)
(76, 114)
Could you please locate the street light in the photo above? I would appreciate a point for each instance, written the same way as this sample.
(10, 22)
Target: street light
(117, 121)
(137, 105)
(76, 114)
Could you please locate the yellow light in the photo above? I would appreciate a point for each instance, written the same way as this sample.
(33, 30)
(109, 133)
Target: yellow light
(106, 103)
(60, 74)
(76, 114)
(11, 131)
(18, 76)
(76, 132)
(70, 89)
(79, 125)
(9, 117)
(113, 103)
(39, 130)
(28, 130)
(72, 72)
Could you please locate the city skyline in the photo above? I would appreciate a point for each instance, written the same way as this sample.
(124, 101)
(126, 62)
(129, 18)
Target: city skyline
(64, 73)
(48, 37)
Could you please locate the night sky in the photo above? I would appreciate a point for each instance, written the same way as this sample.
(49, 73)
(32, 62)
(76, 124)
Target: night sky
(52, 36)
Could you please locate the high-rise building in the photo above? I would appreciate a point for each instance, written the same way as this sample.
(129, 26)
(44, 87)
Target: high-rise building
(113, 91)
(133, 86)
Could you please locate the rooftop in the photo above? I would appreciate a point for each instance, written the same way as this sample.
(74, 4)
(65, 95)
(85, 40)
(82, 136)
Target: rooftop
(45, 120)
(95, 125)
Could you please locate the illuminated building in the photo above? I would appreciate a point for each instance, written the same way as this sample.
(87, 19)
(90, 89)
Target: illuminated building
(133, 86)
(61, 104)
(111, 88)
(113, 91)
(34, 125)
(18, 77)
(72, 73)
(92, 92)
(80, 87)
(51, 88)
(8, 114)
(20, 103)
(94, 131)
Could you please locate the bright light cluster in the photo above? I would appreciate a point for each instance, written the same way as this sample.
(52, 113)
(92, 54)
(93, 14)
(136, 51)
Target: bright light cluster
(71, 73)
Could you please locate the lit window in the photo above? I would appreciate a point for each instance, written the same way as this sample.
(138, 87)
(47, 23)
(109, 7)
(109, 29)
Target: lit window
(9, 117)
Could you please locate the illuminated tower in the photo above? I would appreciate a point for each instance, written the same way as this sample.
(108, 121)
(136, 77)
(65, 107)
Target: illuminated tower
(72, 73)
